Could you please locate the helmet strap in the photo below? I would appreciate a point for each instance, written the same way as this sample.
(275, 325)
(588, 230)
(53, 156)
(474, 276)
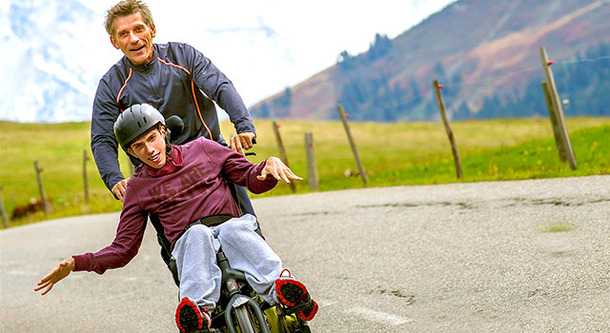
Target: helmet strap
(168, 145)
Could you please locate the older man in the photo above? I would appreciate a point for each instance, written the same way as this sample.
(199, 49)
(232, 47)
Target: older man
(175, 78)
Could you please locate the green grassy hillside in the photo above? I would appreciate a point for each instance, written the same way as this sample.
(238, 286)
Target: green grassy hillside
(392, 154)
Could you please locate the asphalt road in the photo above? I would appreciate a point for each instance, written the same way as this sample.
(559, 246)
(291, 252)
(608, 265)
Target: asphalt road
(519, 256)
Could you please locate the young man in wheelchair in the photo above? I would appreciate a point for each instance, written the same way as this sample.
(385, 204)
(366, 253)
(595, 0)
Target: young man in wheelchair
(185, 186)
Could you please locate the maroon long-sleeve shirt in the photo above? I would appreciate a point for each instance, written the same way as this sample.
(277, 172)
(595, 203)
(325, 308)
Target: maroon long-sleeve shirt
(190, 186)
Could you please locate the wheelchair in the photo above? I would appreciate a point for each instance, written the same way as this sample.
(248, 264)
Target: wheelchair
(239, 309)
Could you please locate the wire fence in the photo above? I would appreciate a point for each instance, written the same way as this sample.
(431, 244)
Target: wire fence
(594, 69)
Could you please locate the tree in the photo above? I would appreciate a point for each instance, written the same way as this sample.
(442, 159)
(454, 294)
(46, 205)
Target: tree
(345, 61)
(379, 48)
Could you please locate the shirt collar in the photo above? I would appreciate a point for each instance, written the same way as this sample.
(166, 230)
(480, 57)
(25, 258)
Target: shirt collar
(144, 67)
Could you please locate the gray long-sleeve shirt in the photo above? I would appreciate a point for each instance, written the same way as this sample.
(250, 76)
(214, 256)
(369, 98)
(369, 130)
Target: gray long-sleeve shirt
(178, 81)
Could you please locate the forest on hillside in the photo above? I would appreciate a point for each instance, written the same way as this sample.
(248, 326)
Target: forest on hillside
(583, 85)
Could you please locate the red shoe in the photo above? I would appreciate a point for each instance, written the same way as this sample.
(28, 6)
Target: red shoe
(306, 310)
(294, 294)
(190, 318)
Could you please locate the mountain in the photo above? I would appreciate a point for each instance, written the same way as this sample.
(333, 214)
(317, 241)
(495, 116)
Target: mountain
(49, 75)
(485, 53)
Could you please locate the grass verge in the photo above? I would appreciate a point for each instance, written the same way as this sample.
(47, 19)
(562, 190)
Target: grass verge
(392, 154)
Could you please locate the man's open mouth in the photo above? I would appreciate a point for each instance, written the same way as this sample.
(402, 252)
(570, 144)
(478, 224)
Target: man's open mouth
(138, 49)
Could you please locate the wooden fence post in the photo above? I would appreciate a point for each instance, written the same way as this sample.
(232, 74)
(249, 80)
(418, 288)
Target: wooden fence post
(43, 196)
(454, 147)
(312, 167)
(3, 211)
(85, 182)
(554, 96)
(352, 143)
(282, 150)
(556, 134)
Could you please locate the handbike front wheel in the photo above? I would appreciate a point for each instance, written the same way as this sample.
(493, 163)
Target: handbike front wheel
(244, 319)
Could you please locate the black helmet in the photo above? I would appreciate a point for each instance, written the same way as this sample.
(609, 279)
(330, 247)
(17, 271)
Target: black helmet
(135, 121)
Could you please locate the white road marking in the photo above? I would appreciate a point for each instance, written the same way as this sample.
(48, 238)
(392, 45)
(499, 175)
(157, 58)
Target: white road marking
(324, 303)
(22, 273)
(377, 316)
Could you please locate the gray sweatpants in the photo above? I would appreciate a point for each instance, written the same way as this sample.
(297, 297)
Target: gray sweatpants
(200, 277)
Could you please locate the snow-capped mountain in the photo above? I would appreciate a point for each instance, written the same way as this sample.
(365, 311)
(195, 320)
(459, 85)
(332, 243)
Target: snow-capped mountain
(54, 52)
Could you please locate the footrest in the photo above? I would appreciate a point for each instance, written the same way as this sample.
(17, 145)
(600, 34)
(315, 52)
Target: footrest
(298, 307)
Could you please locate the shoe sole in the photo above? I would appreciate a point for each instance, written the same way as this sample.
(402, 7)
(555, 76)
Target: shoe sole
(290, 291)
(188, 316)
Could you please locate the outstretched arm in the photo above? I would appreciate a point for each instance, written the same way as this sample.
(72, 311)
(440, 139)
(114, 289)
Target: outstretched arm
(219, 88)
(276, 168)
(103, 143)
(60, 271)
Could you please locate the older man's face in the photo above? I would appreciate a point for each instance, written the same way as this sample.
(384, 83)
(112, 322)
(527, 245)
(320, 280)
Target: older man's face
(134, 38)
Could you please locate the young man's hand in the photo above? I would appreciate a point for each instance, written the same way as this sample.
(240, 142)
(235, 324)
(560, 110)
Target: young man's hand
(60, 271)
(242, 141)
(276, 168)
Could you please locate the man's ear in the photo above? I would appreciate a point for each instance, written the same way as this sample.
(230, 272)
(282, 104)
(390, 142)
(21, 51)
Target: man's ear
(116, 46)
(130, 151)
(153, 30)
